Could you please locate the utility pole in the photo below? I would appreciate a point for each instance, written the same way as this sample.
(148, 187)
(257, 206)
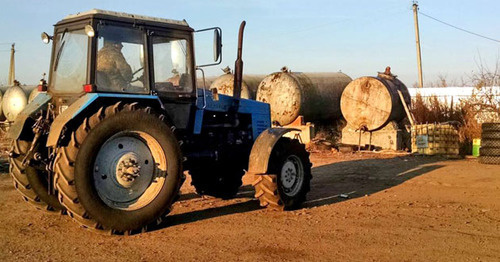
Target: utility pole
(12, 68)
(417, 37)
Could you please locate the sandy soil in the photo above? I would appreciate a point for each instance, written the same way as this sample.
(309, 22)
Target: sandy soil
(398, 208)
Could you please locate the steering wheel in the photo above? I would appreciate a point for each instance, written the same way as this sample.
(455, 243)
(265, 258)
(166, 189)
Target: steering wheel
(137, 78)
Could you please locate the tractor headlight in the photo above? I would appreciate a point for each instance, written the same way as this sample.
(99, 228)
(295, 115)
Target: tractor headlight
(46, 38)
(89, 30)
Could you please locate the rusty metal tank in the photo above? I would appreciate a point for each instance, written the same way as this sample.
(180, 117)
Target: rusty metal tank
(316, 96)
(225, 84)
(207, 83)
(2, 117)
(369, 103)
(13, 102)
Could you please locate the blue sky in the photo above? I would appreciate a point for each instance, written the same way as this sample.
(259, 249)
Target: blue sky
(357, 37)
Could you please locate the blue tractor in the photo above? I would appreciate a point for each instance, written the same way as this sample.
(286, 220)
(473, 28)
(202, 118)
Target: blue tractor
(110, 135)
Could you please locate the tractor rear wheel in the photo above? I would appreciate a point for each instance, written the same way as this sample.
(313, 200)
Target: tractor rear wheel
(31, 182)
(121, 171)
(216, 179)
(289, 177)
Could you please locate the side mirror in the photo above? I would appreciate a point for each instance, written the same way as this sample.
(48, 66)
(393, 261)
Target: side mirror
(217, 44)
(46, 38)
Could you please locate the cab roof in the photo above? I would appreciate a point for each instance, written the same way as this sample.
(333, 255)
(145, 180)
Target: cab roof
(112, 15)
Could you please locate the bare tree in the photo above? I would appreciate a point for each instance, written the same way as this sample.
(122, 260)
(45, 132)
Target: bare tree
(485, 100)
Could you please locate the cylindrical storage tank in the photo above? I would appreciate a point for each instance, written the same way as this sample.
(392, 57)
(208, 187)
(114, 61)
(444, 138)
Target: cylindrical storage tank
(225, 86)
(316, 96)
(28, 90)
(371, 102)
(13, 102)
(3, 89)
(2, 116)
(208, 81)
(253, 82)
(33, 94)
(249, 85)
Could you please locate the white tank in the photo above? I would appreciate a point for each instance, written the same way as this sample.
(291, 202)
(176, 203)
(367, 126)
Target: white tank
(225, 85)
(2, 117)
(13, 102)
(33, 94)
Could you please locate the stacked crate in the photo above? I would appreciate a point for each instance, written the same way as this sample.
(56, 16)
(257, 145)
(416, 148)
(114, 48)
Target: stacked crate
(434, 139)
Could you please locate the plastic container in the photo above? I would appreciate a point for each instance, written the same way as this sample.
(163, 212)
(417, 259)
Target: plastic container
(476, 144)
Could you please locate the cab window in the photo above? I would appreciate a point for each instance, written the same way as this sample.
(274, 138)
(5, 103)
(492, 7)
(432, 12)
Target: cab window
(69, 71)
(120, 60)
(170, 65)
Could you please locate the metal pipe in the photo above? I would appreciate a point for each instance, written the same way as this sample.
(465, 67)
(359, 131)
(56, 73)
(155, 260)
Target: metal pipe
(12, 68)
(238, 64)
(417, 37)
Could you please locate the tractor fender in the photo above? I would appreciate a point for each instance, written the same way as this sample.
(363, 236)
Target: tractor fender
(87, 105)
(39, 103)
(263, 147)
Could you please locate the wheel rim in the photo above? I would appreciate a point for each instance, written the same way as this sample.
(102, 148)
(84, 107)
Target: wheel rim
(129, 170)
(292, 175)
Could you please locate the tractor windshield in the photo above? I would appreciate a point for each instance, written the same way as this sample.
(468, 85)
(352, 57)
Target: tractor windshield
(69, 69)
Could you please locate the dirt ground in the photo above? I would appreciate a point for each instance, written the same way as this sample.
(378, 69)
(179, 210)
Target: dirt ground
(361, 208)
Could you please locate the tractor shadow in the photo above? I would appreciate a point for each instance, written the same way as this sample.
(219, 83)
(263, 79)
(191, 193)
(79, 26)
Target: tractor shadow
(331, 183)
(342, 181)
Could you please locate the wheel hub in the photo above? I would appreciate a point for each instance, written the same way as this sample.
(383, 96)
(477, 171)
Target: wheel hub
(292, 175)
(289, 173)
(128, 169)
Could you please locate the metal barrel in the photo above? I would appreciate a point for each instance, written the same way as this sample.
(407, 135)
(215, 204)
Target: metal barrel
(2, 116)
(28, 90)
(207, 83)
(33, 94)
(316, 96)
(369, 103)
(252, 82)
(3, 89)
(13, 102)
(225, 85)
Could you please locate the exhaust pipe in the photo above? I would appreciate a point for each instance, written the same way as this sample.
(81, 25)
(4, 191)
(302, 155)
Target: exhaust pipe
(238, 65)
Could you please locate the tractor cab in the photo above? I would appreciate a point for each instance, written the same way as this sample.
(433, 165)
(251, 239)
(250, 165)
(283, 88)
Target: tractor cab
(111, 52)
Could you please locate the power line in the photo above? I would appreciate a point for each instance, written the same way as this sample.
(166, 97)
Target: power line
(458, 28)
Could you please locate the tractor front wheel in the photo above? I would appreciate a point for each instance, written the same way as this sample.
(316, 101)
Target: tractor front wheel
(288, 180)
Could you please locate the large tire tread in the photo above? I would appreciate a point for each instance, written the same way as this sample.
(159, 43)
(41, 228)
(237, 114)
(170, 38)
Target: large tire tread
(64, 170)
(491, 127)
(492, 143)
(489, 160)
(490, 135)
(266, 190)
(20, 177)
(489, 151)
